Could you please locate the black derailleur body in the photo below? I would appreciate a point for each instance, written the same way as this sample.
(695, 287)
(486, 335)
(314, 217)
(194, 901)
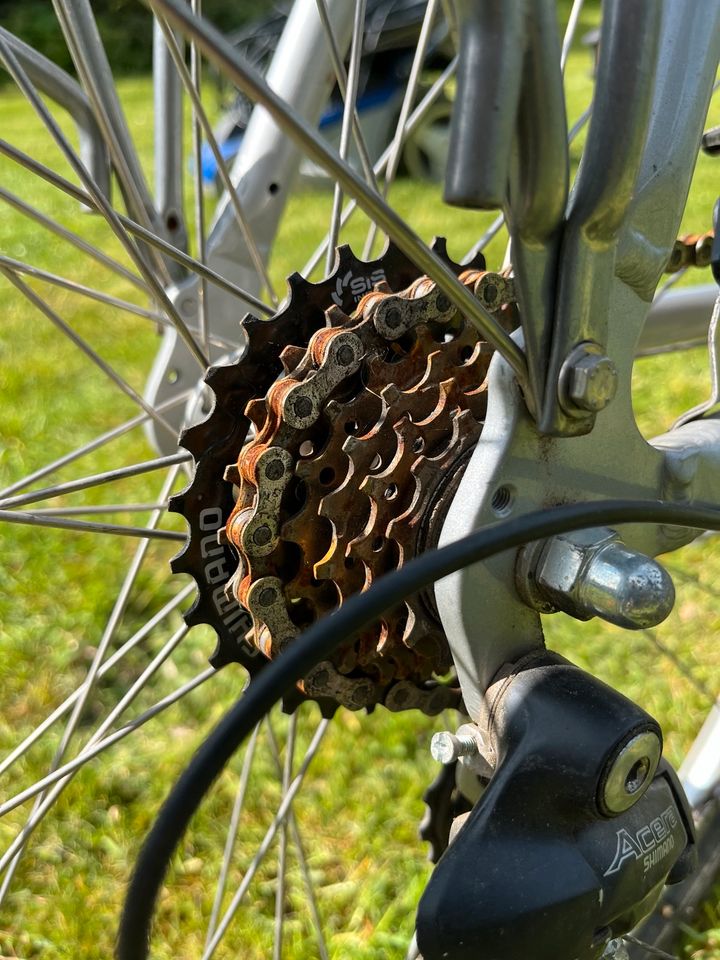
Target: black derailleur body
(541, 868)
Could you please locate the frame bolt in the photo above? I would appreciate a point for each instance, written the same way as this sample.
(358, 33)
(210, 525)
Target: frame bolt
(590, 379)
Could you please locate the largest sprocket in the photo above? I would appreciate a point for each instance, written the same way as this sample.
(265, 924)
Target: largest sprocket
(367, 395)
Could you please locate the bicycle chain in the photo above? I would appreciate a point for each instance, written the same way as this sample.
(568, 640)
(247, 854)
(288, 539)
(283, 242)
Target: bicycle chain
(692, 250)
(360, 427)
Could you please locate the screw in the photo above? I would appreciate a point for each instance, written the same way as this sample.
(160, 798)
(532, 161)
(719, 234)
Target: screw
(631, 772)
(446, 747)
(592, 378)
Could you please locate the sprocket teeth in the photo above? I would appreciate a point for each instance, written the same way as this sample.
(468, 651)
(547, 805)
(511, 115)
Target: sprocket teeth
(176, 503)
(256, 412)
(290, 357)
(180, 562)
(192, 439)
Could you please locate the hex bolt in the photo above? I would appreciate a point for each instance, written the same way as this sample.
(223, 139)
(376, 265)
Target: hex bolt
(588, 380)
(592, 573)
(630, 773)
(616, 950)
(446, 747)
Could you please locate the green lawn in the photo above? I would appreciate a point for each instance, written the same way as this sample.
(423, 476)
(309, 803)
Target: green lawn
(360, 810)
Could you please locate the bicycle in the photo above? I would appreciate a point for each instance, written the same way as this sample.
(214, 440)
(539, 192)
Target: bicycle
(504, 498)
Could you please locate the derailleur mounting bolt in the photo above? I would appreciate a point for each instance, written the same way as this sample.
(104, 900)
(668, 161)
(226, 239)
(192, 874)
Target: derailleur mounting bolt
(588, 380)
(631, 772)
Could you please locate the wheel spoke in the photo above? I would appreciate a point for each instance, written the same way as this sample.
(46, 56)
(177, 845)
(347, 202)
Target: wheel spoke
(86, 753)
(93, 445)
(301, 856)
(101, 202)
(341, 78)
(147, 236)
(17, 266)
(219, 51)
(106, 665)
(96, 480)
(414, 121)
(43, 803)
(285, 780)
(408, 100)
(570, 31)
(349, 112)
(60, 231)
(267, 840)
(104, 508)
(17, 846)
(82, 526)
(232, 833)
(83, 345)
(202, 119)
(88, 53)
(200, 234)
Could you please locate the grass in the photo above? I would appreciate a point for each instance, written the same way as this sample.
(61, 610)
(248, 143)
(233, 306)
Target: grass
(363, 800)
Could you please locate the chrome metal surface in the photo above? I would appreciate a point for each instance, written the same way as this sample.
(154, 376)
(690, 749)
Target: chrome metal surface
(168, 153)
(713, 342)
(591, 573)
(446, 747)
(262, 178)
(656, 74)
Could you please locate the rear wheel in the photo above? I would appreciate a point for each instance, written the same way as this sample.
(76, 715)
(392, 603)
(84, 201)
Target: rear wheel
(94, 637)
